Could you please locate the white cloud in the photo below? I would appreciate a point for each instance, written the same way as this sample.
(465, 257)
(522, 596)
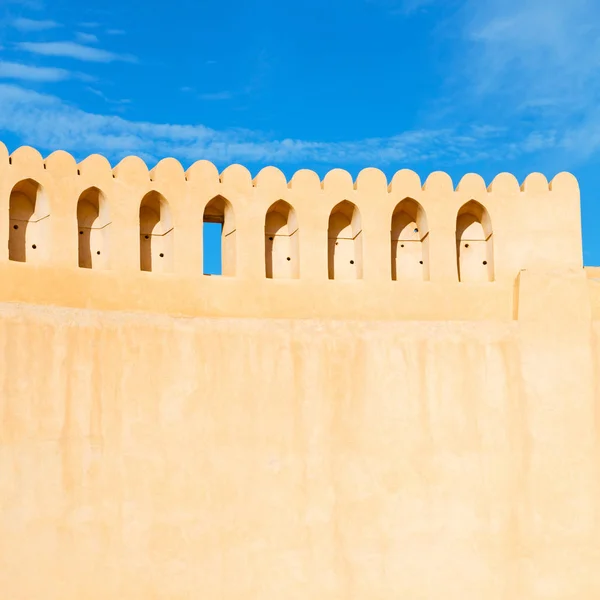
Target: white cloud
(12, 70)
(30, 25)
(531, 66)
(87, 38)
(48, 123)
(74, 50)
(538, 52)
(108, 100)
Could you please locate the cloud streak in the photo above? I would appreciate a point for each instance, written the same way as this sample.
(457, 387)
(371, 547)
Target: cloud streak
(13, 70)
(46, 122)
(31, 25)
(75, 51)
(87, 38)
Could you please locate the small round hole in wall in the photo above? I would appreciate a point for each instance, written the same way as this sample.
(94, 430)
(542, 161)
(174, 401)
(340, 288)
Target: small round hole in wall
(81, 233)
(420, 262)
(336, 243)
(416, 230)
(98, 253)
(289, 258)
(485, 262)
(401, 245)
(15, 227)
(466, 245)
(271, 239)
(147, 237)
(34, 246)
(161, 255)
(351, 262)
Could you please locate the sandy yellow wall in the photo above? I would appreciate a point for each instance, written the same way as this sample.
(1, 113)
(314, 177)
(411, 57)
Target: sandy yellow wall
(536, 225)
(151, 457)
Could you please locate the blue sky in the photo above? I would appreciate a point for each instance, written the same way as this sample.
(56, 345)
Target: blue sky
(453, 85)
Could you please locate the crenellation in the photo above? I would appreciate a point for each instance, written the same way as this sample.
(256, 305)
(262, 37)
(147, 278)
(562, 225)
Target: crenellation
(564, 183)
(61, 164)
(238, 179)
(505, 184)
(132, 170)
(169, 171)
(371, 181)
(338, 183)
(271, 180)
(406, 183)
(95, 166)
(472, 185)
(439, 184)
(535, 183)
(305, 181)
(203, 173)
(331, 229)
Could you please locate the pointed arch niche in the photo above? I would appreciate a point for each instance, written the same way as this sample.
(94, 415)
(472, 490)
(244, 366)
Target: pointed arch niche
(219, 213)
(281, 242)
(93, 228)
(410, 242)
(29, 228)
(156, 234)
(344, 237)
(474, 243)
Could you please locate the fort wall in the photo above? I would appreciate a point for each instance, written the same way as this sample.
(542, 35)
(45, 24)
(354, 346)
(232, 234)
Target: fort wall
(295, 429)
(365, 249)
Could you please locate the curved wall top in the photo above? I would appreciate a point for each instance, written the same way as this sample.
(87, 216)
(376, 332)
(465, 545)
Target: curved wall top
(536, 224)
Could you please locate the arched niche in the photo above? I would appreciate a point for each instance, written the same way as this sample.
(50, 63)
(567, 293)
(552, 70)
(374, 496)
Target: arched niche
(156, 234)
(281, 242)
(93, 229)
(29, 229)
(219, 212)
(474, 243)
(344, 236)
(410, 242)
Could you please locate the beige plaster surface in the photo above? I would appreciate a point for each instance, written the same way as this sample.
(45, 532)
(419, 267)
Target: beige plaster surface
(273, 434)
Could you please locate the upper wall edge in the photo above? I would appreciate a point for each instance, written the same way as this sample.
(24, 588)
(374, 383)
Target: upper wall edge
(370, 179)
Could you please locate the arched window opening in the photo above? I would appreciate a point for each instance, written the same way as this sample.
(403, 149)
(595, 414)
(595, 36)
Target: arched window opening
(218, 234)
(29, 212)
(474, 243)
(281, 242)
(93, 227)
(410, 242)
(156, 234)
(344, 237)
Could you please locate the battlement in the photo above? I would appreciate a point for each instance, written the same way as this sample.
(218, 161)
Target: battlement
(129, 238)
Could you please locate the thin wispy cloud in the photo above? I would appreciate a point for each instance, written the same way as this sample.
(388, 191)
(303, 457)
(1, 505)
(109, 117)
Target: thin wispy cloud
(75, 51)
(31, 25)
(536, 61)
(543, 50)
(48, 123)
(12, 70)
(108, 100)
(87, 38)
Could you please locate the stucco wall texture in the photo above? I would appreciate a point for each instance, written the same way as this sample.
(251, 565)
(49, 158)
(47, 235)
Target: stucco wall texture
(170, 436)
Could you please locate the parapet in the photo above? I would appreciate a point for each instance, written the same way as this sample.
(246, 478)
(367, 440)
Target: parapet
(129, 238)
